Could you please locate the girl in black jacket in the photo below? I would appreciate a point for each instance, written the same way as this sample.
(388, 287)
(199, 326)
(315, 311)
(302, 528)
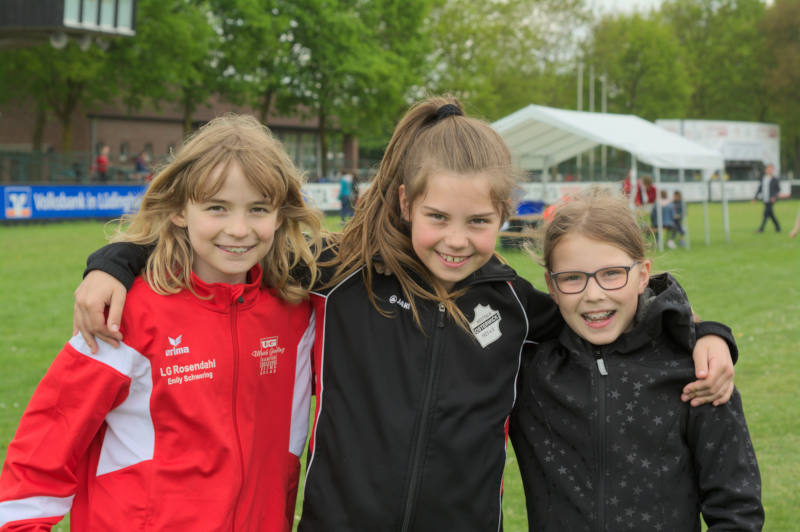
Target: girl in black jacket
(602, 439)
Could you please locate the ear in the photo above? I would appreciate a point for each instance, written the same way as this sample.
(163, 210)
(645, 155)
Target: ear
(551, 287)
(179, 219)
(405, 208)
(644, 275)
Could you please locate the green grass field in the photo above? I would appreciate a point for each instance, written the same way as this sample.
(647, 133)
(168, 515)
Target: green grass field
(751, 283)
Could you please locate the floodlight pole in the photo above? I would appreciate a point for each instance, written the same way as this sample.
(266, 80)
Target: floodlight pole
(580, 108)
(591, 110)
(705, 211)
(634, 182)
(603, 109)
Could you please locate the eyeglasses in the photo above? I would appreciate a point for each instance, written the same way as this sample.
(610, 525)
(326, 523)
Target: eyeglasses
(611, 278)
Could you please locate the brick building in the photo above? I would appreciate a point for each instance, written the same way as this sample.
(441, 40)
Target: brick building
(153, 130)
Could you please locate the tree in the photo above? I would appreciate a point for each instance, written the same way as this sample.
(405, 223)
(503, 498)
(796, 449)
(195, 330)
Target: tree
(175, 56)
(723, 47)
(643, 62)
(357, 60)
(260, 57)
(781, 27)
(501, 56)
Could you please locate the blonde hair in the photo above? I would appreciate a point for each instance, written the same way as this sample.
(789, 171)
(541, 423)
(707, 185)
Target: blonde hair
(190, 177)
(423, 143)
(597, 213)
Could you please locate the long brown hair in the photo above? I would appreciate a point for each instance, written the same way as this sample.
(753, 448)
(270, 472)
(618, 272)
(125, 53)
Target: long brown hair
(189, 177)
(423, 143)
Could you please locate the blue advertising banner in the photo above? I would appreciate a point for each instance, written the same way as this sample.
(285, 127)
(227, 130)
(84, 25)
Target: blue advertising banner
(42, 202)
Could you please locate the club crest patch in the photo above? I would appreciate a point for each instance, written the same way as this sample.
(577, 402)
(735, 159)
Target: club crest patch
(486, 325)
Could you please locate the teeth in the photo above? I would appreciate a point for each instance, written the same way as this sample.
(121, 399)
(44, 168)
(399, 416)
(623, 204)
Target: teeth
(598, 316)
(241, 249)
(451, 258)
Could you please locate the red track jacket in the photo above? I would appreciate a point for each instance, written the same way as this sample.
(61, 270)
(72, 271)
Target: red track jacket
(195, 423)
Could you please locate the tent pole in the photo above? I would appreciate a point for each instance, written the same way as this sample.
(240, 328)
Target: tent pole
(545, 172)
(657, 207)
(685, 211)
(725, 219)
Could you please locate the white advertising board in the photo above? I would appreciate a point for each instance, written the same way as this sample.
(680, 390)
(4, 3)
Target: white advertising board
(738, 141)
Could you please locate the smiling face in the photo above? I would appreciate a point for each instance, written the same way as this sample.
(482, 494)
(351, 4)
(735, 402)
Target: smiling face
(597, 315)
(454, 225)
(231, 231)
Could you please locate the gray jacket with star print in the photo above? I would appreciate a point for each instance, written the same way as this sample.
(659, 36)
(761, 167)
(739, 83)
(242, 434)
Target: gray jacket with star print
(604, 442)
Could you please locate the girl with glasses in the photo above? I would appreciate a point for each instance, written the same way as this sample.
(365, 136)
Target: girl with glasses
(603, 441)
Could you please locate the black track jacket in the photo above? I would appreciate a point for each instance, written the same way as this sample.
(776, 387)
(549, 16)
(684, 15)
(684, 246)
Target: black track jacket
(411, 427)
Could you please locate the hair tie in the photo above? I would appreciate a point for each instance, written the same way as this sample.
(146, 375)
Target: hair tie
(448, 109)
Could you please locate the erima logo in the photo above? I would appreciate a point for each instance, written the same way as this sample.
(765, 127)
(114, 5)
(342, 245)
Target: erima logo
(176, 348)
(394, 300)
(486, 325)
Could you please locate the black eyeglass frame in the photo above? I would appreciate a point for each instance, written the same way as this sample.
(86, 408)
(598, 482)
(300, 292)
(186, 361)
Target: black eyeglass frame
(554, 276)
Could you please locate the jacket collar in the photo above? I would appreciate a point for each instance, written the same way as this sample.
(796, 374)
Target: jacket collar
(221, 296)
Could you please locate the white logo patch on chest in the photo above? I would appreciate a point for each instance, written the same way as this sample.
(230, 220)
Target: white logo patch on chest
(486, 325)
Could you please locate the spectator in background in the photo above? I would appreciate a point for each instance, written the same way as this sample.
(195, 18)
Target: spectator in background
(796, 227)
(667, 216)
(101, 164)
(677, 218)
(645, 190)
(140, 166)
(345, 193)
(768, 190)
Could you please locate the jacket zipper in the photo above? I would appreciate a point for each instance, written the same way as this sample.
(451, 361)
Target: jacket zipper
(600, 440)
(422, 436)
(235, 346)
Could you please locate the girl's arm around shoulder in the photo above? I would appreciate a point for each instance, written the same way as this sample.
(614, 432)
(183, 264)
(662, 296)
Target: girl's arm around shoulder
(727, 469)
(110, 271)
(544, 319)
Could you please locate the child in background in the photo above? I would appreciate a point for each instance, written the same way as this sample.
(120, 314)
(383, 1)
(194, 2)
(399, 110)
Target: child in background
(677, 219)
(602, 440)
(415, 371)
(197, 421)
(667, 218)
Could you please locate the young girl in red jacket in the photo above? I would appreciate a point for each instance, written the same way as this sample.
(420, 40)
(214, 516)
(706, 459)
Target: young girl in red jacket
(196, 421)
(415, 371)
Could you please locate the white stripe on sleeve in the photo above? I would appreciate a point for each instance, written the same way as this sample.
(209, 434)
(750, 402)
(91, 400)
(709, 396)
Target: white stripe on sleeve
(130, 436)
(39, 507)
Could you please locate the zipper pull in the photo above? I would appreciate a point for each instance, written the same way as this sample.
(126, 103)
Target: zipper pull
(440, 321)
(601, 364)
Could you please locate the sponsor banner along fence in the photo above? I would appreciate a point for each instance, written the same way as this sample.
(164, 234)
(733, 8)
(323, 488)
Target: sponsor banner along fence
(43, 202)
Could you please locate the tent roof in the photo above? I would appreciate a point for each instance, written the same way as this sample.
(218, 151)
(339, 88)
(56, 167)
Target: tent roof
(541, 137)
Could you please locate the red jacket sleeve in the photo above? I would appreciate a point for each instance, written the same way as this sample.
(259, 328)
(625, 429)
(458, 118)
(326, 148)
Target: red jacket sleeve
(40, 474)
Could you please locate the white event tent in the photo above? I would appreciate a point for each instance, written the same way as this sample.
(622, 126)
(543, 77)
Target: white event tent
(540, 137)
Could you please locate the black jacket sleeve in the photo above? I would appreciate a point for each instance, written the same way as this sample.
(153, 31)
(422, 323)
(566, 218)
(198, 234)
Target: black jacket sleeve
(122, 260)
(712, 327)
(727, 470)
